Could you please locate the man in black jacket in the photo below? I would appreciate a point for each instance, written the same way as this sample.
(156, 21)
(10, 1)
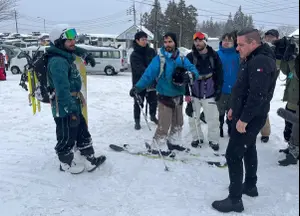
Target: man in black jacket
(140, 58)
(205, 91)
(251, 98)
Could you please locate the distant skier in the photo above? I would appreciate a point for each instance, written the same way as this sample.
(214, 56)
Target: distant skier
(140, 58)
(2, 67)
(168, 69)
(65, 81)
(250, 105)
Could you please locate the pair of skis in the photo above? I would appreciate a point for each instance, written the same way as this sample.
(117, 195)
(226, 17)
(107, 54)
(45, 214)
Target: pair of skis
(167, 155)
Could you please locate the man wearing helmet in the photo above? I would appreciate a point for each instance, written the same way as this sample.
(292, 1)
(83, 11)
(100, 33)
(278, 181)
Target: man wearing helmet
(168, 69)
(205, 91)
(65, 82)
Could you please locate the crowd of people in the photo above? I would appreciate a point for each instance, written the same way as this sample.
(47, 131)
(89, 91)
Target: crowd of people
(234, 85)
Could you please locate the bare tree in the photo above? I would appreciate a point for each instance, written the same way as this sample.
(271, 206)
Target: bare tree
(7, 9)
(286, 30)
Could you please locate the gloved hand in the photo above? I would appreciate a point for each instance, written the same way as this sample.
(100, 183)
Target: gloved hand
(74, 120)
(89, 59)
(133, 91)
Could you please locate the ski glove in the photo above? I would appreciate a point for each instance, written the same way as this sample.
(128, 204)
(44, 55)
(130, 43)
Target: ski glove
(90, 60)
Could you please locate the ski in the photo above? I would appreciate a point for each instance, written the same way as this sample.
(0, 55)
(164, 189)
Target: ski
(170, 156)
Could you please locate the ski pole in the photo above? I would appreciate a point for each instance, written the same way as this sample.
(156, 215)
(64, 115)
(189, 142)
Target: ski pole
(193, 104)
(156, 146)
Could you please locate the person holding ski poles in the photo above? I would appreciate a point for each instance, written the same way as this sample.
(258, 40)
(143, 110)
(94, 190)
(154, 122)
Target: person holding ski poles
(140, 58)
(168, 69)
(206, 91)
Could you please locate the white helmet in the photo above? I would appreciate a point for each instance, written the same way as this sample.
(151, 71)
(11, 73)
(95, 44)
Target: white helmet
(62, 31)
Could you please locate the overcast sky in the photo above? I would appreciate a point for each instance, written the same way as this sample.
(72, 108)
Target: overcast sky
(109, 16)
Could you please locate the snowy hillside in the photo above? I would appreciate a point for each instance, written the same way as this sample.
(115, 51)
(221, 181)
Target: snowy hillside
(32, 185)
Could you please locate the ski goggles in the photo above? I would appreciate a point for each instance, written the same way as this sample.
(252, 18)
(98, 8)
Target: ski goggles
(69, 34)
(199, 35)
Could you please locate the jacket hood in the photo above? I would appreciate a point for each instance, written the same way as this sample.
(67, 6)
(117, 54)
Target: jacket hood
(54, 51)
(173, 55)
(138, 48)
(264, 49)
(227, 50)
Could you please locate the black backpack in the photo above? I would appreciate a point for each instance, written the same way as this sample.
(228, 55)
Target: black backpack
(41, 89)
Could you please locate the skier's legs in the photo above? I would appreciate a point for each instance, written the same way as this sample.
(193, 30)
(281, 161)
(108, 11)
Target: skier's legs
(164, 123)
(288, 126)
(84, 140)
(194, 122)
(176, 125)
(212, 118)
(66, 137)
(250, 159)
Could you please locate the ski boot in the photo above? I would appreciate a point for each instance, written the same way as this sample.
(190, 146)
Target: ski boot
(72, 168)
(92, 162)
(197, 143)
(214, 146)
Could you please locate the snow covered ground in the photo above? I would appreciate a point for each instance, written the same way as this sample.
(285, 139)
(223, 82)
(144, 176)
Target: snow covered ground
(32, 185)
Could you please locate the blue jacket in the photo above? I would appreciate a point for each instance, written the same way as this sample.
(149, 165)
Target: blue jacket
(231, 63)
(165, 85)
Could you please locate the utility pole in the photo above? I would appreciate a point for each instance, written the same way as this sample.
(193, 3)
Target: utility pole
(155, 25)
(180, 34)
(16, 20)
(134, 13)
(44, 23)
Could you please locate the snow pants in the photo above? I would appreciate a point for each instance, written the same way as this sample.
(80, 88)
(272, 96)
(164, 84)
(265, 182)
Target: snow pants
(69, 135)
(151, 98)
(170, 122)
(243, 146)
(211, 113)
(287, 133)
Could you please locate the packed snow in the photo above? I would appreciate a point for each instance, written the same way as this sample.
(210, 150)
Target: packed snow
(31, 183)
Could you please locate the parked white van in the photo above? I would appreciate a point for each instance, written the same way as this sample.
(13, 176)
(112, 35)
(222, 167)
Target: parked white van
(18, 62)
(108, 59)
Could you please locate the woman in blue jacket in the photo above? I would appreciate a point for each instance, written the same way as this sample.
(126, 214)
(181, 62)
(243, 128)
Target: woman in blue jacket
(230, 61)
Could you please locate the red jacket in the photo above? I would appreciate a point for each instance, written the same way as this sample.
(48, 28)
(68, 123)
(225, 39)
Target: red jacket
(2, 68)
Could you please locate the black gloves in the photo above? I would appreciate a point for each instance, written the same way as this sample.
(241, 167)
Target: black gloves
(89, 59)
(133, 92)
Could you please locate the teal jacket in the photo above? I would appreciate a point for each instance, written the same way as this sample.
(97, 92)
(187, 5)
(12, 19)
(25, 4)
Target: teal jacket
(165, 85)
(64, 78)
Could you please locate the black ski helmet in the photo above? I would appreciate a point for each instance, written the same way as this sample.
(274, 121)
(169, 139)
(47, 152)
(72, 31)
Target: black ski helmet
(178, 76)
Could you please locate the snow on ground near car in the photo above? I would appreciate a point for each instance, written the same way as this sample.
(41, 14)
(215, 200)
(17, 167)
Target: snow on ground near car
(31, 183)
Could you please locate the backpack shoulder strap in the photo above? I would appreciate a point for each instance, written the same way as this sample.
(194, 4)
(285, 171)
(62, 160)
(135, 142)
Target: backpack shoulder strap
(195, 59)
(162, 60)
(212, 62)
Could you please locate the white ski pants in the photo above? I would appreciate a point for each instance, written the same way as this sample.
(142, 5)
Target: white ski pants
(211, 113)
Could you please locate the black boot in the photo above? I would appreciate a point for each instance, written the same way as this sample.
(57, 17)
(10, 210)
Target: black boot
(154, 119)
(228, 205)
(289, 160)
(214, 146)
(250, 191)
(285, 151)
(197, 143)
(221, 120)
(265, 139)
(137, 125)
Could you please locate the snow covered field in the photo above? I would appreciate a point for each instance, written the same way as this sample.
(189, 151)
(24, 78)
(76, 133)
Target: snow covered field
(32, 185)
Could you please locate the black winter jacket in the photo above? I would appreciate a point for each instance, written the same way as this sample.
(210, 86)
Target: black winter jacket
(254, 88)
(140, 58)
(204, 64)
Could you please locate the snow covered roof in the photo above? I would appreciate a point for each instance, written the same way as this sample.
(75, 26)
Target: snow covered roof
(129, 33)
(295, 33)
(103, 35)
(96, 48)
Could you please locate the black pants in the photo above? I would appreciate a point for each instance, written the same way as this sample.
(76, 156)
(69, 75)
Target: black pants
(288, 127)
(243, 146)
(68, 136)
(151, 98)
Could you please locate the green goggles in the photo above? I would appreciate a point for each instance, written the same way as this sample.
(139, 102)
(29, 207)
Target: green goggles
(69, 34)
